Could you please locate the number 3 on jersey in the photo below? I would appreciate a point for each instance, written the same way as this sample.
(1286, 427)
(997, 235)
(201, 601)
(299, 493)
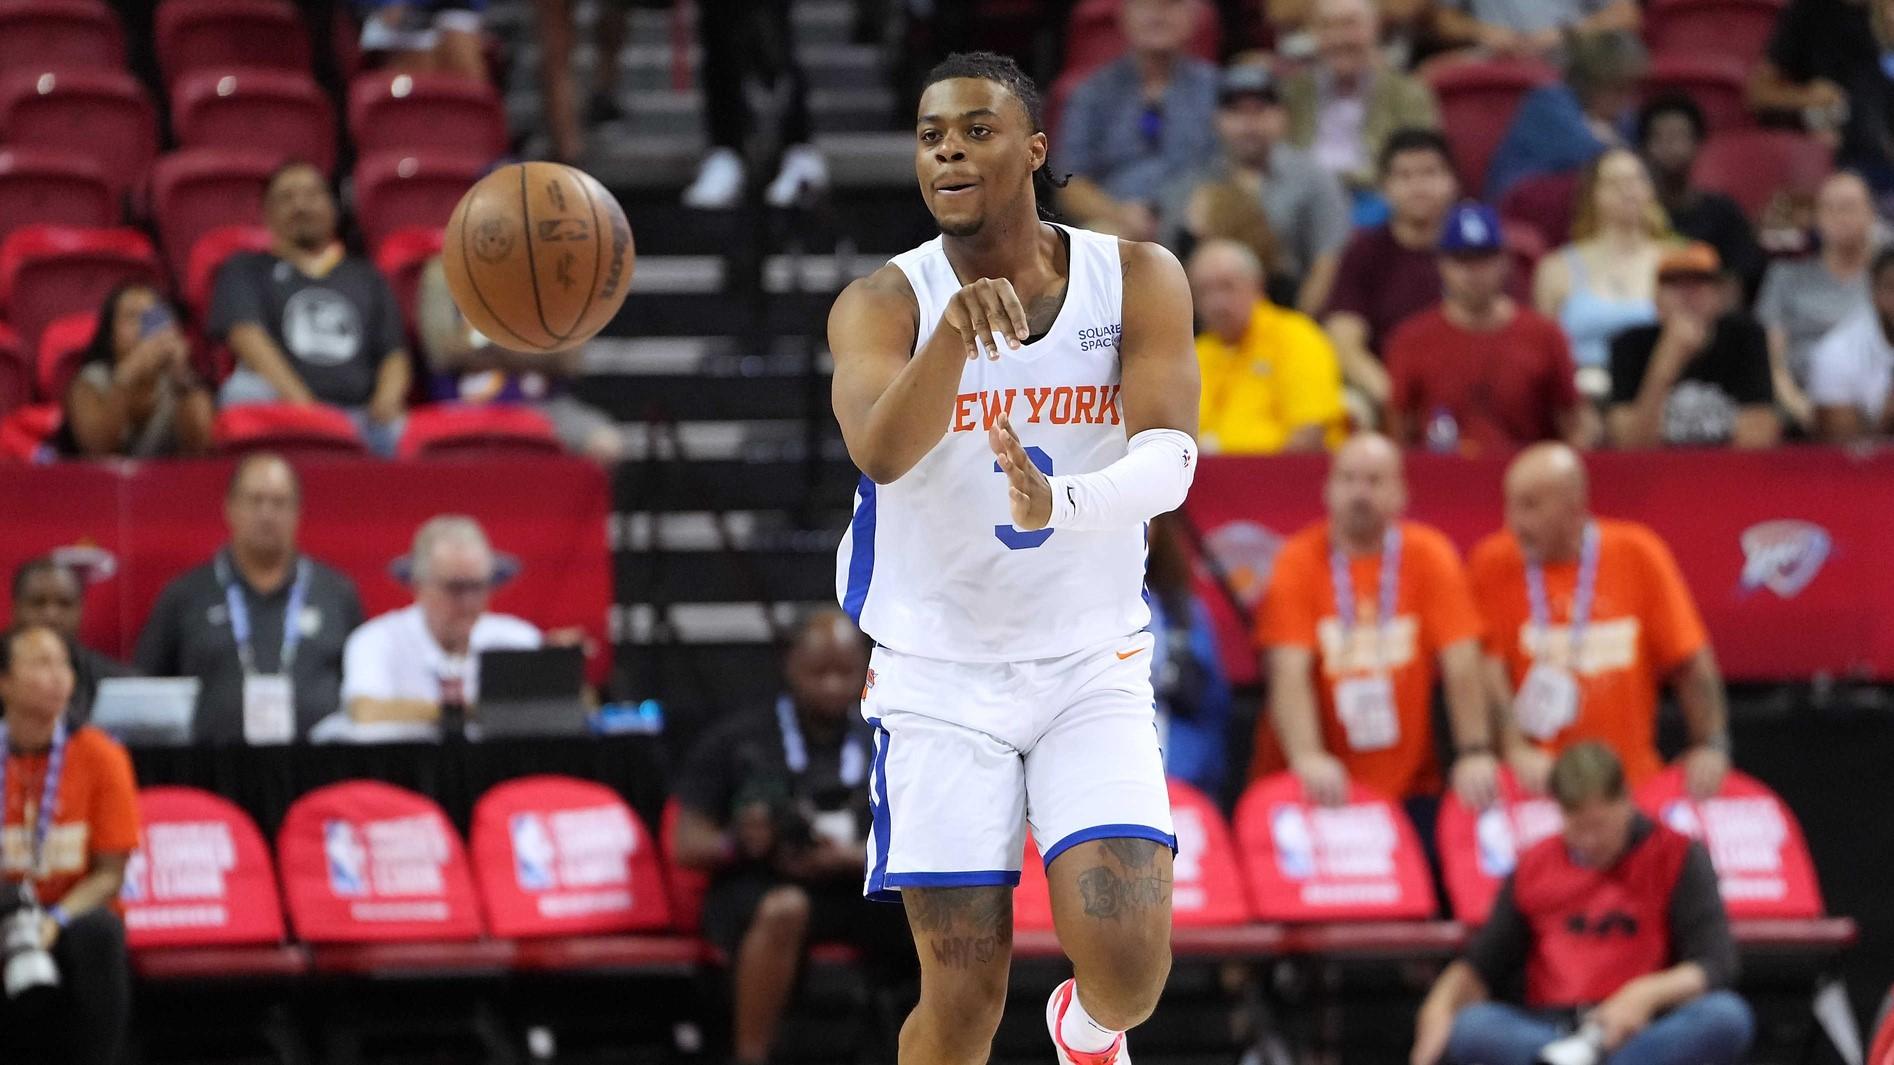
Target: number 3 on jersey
(1015, 538)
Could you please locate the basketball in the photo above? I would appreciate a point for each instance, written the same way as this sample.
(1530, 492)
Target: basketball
(538, 256)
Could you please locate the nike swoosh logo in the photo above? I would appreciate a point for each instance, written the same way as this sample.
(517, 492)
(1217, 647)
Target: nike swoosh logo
(1122, 655)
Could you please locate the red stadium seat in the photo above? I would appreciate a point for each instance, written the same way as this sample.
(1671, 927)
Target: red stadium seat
(26, 433)
(401, 257)
(367, 862)
(195, 35)
(1762, 860)
(100, 114)
(1543, 203)
(283, 427)
(16, 370)
(49, 271)
(418, 112)
(1478, 847)
(52, 185)
(196, 190)
(201, 876)
(687, 885)
(1752, 165)
(207, 256)
(449, 429)
(276, 113)
(394, 190)
(1477, 101)
(1719, 86)
(1093, 37)
(62, 349)
(1735, 30)
(1360, 861)
(59, 33)
(559, 856)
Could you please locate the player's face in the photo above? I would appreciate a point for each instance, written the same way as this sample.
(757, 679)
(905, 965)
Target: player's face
(1597, 832)
(50, 597)
(974, 152)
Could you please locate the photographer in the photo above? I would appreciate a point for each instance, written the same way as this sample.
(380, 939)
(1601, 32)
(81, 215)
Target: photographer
(774, 806)
(1618, 929)
(70, 823)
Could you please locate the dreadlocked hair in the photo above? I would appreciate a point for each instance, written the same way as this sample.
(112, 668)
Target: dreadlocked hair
(1004, 71)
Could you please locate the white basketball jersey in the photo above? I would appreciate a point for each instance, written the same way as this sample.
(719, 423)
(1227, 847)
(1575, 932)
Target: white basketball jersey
(931, 565)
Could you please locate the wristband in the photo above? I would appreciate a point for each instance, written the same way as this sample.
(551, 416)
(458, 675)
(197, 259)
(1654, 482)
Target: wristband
(59, 916)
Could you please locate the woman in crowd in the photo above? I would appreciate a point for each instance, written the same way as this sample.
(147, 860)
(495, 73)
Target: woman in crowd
(1605, 281)
(136, 393)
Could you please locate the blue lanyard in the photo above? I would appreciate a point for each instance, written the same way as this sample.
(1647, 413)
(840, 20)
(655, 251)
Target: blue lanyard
(1344, 582)
(240, 617)
(1581, 595)
(49, 794)
(796, 750)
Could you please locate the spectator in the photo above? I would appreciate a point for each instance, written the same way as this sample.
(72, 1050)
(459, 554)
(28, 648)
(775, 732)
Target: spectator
(1853, 366)
(1387, 273)
(53, 595)
(1824, 68)
(1363, 613)
(1138, 123)
(1559, 128)
(1535, 29)
(407, 670)
(1803, 299)
(136, 393)
(553, 19)
(1270, 381)
(1701, 374)
(1605, 281)
(1306, 208)
(1193, 695)
(1628, 625)
(428, 36)
(1479, 374)
(308, 322)
(77, 784)
(261, 625)
(468, 368)
(744, 42)
(774, 807)
(1618, 921)
(1347, 108)
(1670, 132)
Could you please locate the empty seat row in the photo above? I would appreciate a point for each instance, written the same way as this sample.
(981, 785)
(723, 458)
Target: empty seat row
(190, 35)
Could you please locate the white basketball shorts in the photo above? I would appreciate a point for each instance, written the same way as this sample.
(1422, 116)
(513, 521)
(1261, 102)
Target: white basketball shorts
(968, 754)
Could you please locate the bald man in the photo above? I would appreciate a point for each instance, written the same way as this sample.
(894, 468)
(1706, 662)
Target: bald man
(773, 806)
(1271, 382)
(1586, 619)
(1363, 612)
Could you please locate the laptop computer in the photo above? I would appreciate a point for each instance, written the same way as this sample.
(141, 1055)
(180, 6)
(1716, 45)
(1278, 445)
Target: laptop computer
(533, 693)
(159, 711)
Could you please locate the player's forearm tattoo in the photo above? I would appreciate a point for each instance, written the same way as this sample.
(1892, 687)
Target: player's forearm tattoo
(1112, 893)
(962, 927)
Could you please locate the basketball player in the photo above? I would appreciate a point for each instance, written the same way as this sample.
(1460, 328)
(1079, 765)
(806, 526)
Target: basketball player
(1022, 398)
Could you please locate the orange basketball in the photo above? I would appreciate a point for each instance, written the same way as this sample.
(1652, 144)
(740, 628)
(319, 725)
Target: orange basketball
(538, 256)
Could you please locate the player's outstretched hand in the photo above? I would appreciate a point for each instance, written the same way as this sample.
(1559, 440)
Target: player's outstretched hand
(1027, 488)
(988, 315)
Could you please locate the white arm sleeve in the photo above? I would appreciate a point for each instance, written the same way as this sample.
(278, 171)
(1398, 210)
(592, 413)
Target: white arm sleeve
(1150, 480)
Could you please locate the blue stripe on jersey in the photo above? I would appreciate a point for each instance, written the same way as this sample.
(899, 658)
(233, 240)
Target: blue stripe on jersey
(861, 562)
(881, 819)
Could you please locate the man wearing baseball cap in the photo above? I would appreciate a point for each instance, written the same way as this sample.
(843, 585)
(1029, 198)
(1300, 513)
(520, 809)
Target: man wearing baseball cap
(1480, 374)
(1700, 376)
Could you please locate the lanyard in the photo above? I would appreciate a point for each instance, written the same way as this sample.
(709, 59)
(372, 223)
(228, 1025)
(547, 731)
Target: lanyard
(49, 794)
(1344, 582)
(240, 617)
(1581, 595)
(796, 750)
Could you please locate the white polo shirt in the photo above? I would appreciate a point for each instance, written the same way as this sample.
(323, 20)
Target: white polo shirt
(1852, 365)
(395, 657)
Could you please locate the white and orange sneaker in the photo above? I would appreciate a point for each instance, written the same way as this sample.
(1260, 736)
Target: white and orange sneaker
(1116, 1054)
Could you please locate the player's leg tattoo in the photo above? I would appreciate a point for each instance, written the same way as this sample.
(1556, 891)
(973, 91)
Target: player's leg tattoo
(960, 928)
(1135, 884)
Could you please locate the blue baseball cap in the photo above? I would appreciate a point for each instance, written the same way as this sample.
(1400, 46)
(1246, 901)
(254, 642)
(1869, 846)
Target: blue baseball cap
(1472, 228)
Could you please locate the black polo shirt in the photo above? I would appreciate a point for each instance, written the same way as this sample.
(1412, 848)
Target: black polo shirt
(188, 635)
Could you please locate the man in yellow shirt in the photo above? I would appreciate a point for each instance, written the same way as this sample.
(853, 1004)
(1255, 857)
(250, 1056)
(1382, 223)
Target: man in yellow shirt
(1271, 381)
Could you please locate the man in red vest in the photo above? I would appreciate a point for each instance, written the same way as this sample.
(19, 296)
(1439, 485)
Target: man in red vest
(1616, 932)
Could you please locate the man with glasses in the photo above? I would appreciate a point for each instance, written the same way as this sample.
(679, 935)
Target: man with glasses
(261, 625)
(407, 670)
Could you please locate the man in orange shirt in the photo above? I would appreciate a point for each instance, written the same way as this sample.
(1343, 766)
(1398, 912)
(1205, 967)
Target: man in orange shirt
(1585, 619)
(1362, 612)
(68, 824)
